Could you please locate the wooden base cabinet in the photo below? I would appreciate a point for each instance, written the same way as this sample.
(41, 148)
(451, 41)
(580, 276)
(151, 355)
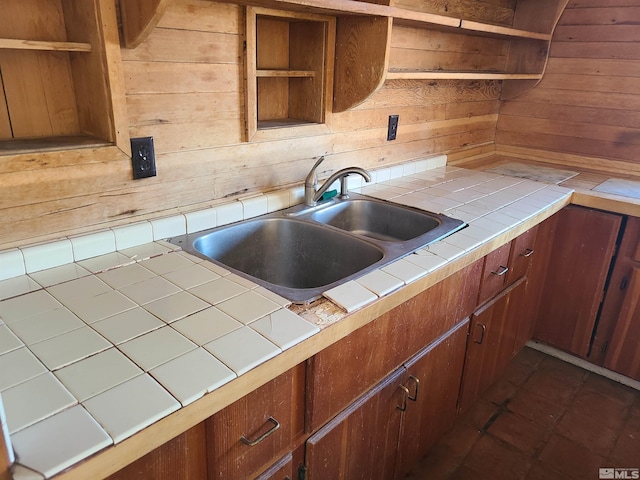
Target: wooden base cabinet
(617, 340)
(433, 382)
(584, 242)
(490, 346)
(348, 368)
(254, 432)
(384, 432)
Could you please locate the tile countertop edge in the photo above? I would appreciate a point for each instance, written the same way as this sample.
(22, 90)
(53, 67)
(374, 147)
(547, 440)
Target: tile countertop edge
(114, 458)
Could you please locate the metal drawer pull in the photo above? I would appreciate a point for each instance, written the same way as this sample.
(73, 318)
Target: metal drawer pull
(501, 270)
(527, 253)
(484, 329)
(414, 398)
(253, 443)
(403, 407)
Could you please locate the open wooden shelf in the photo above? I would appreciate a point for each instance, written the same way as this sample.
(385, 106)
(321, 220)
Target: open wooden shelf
(60, 82)
(452, 75)
(497, 30)
(285, 73)
(18, 146)
(17, 44)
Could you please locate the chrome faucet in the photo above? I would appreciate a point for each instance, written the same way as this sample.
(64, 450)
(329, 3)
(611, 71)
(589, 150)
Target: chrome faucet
(311, 191)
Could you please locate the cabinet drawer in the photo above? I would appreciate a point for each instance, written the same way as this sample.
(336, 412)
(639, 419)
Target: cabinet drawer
(522, 252)
(252, 433)
(494, 273)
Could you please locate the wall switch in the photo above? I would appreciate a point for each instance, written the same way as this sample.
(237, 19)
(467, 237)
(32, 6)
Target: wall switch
(392, 130)
(143, 157)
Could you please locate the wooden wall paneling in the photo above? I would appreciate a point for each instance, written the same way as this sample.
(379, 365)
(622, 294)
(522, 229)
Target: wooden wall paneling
(139, 18)
(189, 95)
(362, 46)
(586, 102)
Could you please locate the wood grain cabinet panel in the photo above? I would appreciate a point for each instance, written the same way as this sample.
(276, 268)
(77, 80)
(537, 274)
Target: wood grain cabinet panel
(490, 345)
(617, 339)
(584, 242)
(433, 381)
(252, 433)
(522, 252)
(184, 457)
(342, 372)
(494, 273)
(361, 442)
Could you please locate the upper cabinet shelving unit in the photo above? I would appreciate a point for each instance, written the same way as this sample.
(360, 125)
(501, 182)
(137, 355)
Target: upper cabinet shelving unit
(382, 40)
(59, 61)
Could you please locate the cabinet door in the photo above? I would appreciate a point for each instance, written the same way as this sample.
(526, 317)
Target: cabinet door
(345, 370)
(281, 470)
(184, 457)
(627, 258)
(583, 246)
(433, 384)
(361, 442)
(624, 351)
(250, 434)
(494, 273)
(491, 342)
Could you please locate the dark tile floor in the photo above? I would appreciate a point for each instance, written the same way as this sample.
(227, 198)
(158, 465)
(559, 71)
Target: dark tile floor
(544, 420)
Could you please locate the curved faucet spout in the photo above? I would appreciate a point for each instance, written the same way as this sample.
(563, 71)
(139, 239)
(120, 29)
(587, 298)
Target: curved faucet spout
(312, 195)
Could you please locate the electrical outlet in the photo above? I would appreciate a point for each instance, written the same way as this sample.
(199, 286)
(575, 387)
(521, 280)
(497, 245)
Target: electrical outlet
(143, 157)
(392, 130)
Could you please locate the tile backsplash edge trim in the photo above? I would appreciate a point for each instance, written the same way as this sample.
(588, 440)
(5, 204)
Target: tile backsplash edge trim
(19, 261)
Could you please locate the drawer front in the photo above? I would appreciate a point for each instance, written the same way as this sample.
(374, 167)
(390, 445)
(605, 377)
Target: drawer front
(522, 253)
(252, 433)
(494, 274)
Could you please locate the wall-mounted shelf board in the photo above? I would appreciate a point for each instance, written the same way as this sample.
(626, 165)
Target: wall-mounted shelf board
(285, 73)
(17, 44)
(430, 75)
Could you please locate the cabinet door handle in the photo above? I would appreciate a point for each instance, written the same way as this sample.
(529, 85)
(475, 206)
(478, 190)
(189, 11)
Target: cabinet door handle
(406, 395)
(483, 330)
(501, 270)
(527, 253)
(414, 397)
(253, 443)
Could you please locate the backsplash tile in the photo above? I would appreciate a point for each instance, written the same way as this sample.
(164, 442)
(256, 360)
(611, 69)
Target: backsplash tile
(93, 244)
(11, 264)
(47, 255)
(168, 227)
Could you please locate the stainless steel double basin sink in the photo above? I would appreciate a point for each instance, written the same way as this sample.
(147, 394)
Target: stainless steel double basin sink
(302, 251)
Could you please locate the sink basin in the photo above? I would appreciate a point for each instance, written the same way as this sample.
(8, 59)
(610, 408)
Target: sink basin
(295, 258)
(380, 220)
(301, 252)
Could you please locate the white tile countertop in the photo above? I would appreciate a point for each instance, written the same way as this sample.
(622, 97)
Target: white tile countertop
(105, 334)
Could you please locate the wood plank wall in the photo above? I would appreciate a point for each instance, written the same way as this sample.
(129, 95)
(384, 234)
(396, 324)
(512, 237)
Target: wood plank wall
(184, 87)
(588, 101)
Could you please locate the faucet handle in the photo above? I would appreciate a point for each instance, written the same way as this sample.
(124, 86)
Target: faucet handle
(312, 180)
